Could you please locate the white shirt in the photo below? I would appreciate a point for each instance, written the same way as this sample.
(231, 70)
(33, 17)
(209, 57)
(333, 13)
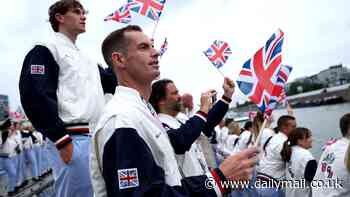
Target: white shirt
(230, 143)
(221, 137)
(192, 163)
(272, 164)
(296, 170)
(9, 146)
(332, 167)
(265, 135)
(243, 141)
(79, 94)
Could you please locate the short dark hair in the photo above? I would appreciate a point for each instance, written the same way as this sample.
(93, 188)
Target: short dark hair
(158, 92)
(248, 125)
(283, 121)
(116, 41)
(61, 7)
(344, 124)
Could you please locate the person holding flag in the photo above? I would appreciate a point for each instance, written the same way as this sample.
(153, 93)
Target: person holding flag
(132, 154)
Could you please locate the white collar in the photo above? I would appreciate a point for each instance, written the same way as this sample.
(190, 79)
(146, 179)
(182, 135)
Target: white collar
(133, 96)
(130, 93)
(283, 135)
(63, 38)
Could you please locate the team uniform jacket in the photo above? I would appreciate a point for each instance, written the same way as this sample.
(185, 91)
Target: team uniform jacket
(302, 165)
(245, 140)
(133, 155)
(61, 87)
(10, 147)
(272, 164)
(231, 143)
(332, 167)
(192, 162)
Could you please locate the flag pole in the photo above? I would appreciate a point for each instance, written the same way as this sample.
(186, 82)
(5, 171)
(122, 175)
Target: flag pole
(222, 74)
(155, 27)
(260, 133)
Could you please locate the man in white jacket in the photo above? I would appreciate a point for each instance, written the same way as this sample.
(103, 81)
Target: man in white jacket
(166, 100)
(332, 174)
(132, 154)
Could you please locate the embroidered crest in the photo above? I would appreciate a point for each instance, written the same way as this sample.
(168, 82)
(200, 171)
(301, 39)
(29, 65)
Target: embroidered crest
(37, 69)
(128, 178)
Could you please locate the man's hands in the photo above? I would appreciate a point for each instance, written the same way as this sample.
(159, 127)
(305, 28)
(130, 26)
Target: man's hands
(229, 87)
(240, 166)
(206, 97)
(66, 153)
(206, 100)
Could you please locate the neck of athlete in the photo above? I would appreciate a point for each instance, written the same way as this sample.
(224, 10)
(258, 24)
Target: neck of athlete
(144, 89)
(170, 112)
(71, 35)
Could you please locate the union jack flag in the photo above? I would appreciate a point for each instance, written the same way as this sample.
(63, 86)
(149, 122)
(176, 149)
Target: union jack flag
(121, 15)
(163, 48)
(150, 8)
(260, 74)
(37, 69)
(128, 178)
(218, 53)
(282, 99)
(279, 92)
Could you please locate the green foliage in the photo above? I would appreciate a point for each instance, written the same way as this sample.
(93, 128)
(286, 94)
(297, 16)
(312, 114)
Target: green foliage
(306, 87)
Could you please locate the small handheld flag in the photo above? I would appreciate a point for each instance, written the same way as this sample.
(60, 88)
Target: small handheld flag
(218, 53)
(149, 8)
(163, 48)
(121, 15)
(259, 75)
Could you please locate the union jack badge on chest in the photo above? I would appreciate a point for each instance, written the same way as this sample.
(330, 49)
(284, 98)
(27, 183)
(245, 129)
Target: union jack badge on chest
(37, 69)
(128, 178)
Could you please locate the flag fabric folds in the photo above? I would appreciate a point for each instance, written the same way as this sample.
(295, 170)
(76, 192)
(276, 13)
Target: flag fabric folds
(149, 8)
(121, 15)
(218, 53)
(260, 77)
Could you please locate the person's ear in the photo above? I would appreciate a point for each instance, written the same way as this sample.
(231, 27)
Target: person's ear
(118, 59)
(59, 17)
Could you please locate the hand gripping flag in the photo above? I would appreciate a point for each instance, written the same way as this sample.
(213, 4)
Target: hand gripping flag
(163, 48)
(121, 15)
(218, 53)
(150, 8)
(259, 75)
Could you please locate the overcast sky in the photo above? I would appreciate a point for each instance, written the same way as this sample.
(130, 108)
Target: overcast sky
(316, 36)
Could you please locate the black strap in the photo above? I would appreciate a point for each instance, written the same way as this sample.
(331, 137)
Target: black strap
(236, 141)
(250, 139)
(266, 143)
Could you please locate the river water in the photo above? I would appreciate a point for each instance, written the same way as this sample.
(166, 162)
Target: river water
(323, 121)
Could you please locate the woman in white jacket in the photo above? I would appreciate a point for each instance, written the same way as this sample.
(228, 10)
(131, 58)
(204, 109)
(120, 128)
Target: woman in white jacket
(301, 165)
